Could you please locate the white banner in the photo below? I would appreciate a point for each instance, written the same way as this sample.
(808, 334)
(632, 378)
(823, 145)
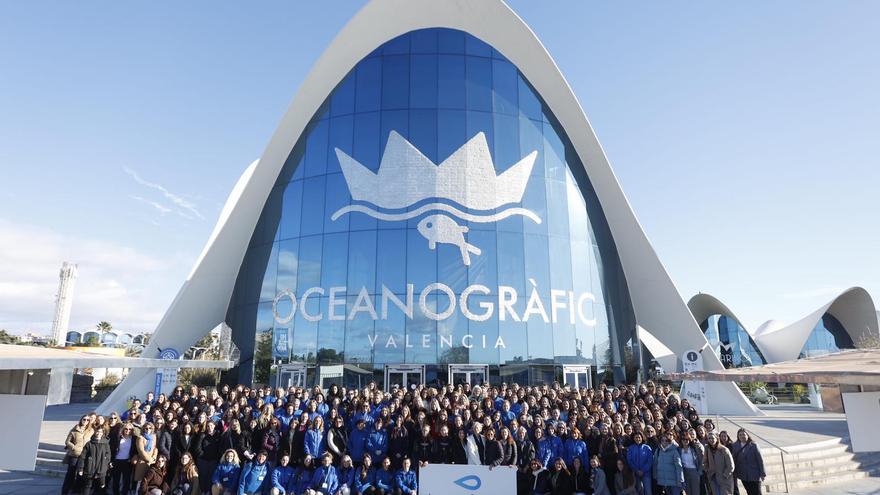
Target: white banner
(694, 392)
(461, 479)
(862, 411)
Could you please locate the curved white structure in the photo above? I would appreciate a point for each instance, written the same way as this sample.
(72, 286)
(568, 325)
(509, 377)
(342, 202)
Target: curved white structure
(202, 301)
(853, 308)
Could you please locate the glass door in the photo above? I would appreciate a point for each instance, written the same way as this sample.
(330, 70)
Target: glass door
(576, 376)
(472, 374)
(291, 375)
(404, 375)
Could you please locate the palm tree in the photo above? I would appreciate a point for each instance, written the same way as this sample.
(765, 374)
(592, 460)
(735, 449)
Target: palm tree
(104, 326)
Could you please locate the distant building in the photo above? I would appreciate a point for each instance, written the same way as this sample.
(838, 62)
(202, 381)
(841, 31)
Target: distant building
(63, 302)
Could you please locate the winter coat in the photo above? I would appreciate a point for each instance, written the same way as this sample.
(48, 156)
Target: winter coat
(545, 451)
(357, 444)
(598, 482)
(95, 459)
(346, 478)
(165, 440)
(304, 479)
(227, 475)
(154, 478)
(494, 454)
(240, 442)
(254, 478)
(325, 480)
(207, 447)
(748, 461)
(377, 444)
(580, 480)
(337, 442)
(282, 477)
(667, 466)
(364, 481)
(699, 451)
(384, 480)
(575, 448)
(144, 458)
(525, 452)
(640, 457)
(314, 443)
(75, 442)
(719, 466)
(406, 482)
(560, 482)
(441, 451)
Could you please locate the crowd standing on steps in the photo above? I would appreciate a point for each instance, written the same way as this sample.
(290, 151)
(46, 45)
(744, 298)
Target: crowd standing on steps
(555, 440)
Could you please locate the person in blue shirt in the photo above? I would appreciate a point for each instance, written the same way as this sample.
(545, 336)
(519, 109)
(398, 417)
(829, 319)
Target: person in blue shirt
(255, 476)
(365, 477)
(325, 480)
(304, 476)
(285, 416)
(346, 476)
(405, 482)
(543, 447)
(506, 414)
(377, 440)
(282, 477)
(575, 447)
(640, 459)
(315, 445)
(225, 477)
(357, 440)
(555, 442)
(385, 477)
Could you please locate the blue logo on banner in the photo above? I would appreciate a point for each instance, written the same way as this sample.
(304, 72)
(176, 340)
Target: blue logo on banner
(169, 353)
(471, 482)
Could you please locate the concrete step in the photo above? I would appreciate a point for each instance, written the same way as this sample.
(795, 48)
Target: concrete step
(50, 454)
(51, 471)
(855, 460)
(818, 481)
(51, 446)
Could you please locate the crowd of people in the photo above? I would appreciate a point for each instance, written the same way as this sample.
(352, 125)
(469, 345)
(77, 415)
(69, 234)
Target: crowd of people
(622, 440)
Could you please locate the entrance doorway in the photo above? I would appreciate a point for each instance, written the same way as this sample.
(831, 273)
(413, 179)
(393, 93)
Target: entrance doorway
(472, 374)
(576, 376)
(291, 375)
(404, 375)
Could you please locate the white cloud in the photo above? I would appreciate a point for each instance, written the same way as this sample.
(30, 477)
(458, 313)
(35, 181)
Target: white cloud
(823, 292)
(186, 208)
(116, 283)
(162, 209)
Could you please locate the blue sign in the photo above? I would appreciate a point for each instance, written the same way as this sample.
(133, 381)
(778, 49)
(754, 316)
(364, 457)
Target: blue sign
(169, 353)
(157, 387)
(471, 482)
(280, 346)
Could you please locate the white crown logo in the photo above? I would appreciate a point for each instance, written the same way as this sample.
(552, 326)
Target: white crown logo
(467, 178)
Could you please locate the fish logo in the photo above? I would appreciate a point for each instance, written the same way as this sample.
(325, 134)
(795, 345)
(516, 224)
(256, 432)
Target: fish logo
(464, 181)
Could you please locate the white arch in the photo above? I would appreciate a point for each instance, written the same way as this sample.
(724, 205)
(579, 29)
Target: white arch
(201, 303)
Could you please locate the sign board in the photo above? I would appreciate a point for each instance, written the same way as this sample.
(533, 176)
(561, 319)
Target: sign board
(21, 416)
(694, 392)
(862, 411)
(461, 479)
(166, 378)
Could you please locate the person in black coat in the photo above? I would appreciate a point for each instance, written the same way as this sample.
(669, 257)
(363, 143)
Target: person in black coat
(94, 462)
(441, 452)
(560, 479)
(494, 452)
(525, 455)
(237, 440)
(423, 448)
(459, 448)
(207, 453)
(580, 476)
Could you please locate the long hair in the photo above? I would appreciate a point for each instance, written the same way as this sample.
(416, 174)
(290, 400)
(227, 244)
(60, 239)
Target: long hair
(235, 459)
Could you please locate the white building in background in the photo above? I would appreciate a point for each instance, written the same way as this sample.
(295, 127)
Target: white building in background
(63, 302)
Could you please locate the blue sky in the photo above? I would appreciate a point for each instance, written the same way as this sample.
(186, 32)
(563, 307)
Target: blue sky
(744, 135)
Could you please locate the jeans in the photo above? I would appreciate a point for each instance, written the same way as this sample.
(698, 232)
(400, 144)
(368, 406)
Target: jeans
(647, 485)
(692, 481)
(70, 480)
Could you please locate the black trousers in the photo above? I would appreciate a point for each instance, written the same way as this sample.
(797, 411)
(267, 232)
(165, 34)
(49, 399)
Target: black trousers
(752, 487)
(121, 473)
(69, 483)
(90, 482)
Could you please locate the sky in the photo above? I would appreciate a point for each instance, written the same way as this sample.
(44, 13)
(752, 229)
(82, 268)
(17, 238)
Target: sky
(743, 134)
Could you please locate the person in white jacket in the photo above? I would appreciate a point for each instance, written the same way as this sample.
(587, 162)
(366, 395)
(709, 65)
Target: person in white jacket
(475, 445)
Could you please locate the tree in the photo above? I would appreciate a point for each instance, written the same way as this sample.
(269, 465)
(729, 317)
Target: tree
(868, 342)
(104, 326)
(8, 338)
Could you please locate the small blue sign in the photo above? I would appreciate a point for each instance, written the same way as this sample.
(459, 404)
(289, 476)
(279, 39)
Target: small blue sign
(471, 482)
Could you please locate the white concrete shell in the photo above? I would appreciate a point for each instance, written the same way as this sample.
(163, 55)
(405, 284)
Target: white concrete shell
(202, 301)
(778, 342)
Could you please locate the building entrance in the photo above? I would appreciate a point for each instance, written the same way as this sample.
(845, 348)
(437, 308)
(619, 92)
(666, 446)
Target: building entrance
(471, 374)
(576, 376)
(291, 375)
(404, 375)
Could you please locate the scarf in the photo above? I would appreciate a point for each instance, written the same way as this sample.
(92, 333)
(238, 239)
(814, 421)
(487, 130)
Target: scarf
(150, 437)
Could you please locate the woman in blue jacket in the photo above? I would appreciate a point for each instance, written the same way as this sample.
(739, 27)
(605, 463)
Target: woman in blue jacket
(346, 476)
(574, 447)
(325, 480)
(555, 442)
(314, 441)
(640, 458)
(365, 477)
(357, 440)
(543, 448)
(377, 440)
(225, 477)
(385, 478)
(405, 480)
(255, 476)
(282, 477)
(304, 476)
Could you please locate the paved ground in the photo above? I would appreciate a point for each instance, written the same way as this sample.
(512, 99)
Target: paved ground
(787, 425)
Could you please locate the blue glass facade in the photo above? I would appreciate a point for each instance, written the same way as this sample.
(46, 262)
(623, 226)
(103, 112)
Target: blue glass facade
(733, 345)
(828, 336)
(314, 286)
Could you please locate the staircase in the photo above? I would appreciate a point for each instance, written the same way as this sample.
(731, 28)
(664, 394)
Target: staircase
(49, 460)
(816, 464)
